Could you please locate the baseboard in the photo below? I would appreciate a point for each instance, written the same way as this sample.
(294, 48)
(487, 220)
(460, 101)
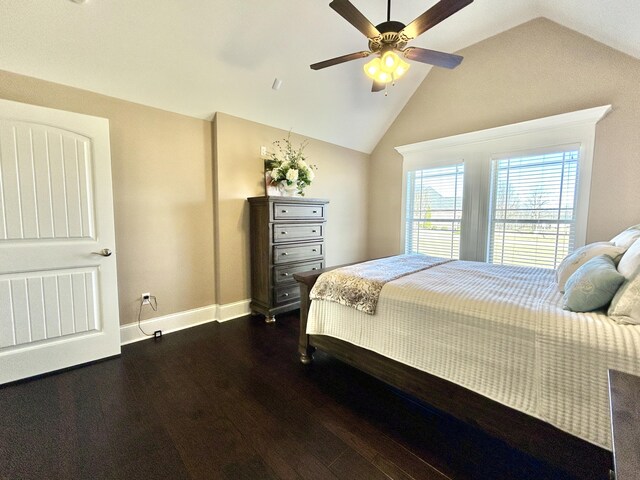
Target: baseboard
(229, 311)
(130, 332)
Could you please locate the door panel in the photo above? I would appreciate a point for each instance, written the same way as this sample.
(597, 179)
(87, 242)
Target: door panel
(58, 300)
(45, 182)
(44, 306)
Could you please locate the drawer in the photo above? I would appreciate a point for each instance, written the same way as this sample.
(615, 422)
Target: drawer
(285, 232)
(294, 253)
(284, 274)
(287, 294)
(283, 211)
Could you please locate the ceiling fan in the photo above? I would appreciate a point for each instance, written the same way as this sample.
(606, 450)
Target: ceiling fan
(389, 38)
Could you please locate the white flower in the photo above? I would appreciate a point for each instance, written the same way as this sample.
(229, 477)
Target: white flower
(303, 164)
(275, 174)
(311, 175)
(292, 175)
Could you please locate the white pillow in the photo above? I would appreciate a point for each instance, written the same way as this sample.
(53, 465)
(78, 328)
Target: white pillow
(627, 237)
(582, 255)
(625, 306)
(630, 261)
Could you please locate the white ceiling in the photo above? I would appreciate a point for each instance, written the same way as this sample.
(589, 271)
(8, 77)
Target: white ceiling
(197, 57)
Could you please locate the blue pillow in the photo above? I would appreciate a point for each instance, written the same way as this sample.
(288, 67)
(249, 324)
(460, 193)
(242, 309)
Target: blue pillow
(593, 285)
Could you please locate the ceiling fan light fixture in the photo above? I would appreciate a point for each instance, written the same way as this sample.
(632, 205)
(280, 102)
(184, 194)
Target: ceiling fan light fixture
(387, 68)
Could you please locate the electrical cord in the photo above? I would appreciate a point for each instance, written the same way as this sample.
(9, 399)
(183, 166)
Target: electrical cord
(153, 303)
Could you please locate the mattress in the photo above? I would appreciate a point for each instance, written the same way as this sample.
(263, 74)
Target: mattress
(499, 331)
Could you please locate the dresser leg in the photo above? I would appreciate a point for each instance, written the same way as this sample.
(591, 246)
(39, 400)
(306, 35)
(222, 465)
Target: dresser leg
(270, 319)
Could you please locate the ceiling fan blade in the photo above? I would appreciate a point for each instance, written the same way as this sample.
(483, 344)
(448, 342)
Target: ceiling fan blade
(440, 11)
(378, 86)
(352, 15)
(439, 59)
(341, 59)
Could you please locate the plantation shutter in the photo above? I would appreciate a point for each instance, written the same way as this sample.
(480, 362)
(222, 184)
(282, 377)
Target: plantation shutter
(434, 211)
(532, 217)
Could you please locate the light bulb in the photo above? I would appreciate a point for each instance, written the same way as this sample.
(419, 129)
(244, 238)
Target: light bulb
(383, 77)
(372, 68)
(390, 61)
(401, 69)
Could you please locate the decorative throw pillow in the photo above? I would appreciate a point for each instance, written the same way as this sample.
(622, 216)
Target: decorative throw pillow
(582, 255)
(625, 306)
(593, 285)
(630, 261)
(627, 237)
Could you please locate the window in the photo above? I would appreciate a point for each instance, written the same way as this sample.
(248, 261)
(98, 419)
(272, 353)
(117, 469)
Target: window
(533, 200)
(434, 211)
(517, 194)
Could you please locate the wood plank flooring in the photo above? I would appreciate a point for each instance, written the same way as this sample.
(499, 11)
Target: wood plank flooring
(232, 401)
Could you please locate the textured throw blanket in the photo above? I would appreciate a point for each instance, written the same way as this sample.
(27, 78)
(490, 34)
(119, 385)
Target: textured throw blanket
(359, 286)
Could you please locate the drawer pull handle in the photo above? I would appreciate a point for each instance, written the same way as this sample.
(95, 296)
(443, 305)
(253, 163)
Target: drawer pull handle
(285, 211)
(314, 231)
(315, 211)
(315, 250)
(286, 274)
(314, 268)
(285, 294)
(285, 253)
(283, 233)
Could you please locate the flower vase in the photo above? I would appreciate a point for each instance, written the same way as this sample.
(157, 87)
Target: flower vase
(288, 190)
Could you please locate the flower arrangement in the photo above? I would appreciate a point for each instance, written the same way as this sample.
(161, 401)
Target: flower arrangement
(287, 169)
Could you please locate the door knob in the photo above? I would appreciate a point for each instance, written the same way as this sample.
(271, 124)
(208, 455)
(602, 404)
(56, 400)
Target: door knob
(105, 252)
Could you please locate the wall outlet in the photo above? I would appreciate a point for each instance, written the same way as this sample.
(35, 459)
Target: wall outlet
(263, 151)
(146, 298)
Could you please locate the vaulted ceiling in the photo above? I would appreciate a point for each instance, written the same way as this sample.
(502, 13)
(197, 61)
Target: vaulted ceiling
(197, 57)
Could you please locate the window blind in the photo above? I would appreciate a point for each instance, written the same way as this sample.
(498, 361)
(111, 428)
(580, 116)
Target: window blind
(533, 206)
(434, 211)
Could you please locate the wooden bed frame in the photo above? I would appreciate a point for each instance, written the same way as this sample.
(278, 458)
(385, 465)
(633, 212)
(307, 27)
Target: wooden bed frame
(577, 457)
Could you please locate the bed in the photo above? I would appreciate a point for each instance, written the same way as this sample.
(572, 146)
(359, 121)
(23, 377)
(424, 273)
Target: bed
(490, 345)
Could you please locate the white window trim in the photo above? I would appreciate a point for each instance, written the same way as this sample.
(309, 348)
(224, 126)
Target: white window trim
(477, 149)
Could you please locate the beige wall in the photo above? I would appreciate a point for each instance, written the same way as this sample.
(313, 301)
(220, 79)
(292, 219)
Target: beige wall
(162, 169)
(342, 178)
(534, 70)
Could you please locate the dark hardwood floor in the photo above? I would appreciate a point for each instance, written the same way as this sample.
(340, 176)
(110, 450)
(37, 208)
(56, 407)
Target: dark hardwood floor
(232, 401)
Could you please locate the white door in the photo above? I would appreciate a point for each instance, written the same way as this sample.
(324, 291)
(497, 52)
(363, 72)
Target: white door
(58, 300)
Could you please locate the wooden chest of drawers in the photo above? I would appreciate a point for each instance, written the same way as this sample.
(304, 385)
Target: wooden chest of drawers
(287, 237)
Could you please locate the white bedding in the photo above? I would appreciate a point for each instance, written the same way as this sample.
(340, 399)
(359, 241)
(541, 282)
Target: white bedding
(501, 332)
